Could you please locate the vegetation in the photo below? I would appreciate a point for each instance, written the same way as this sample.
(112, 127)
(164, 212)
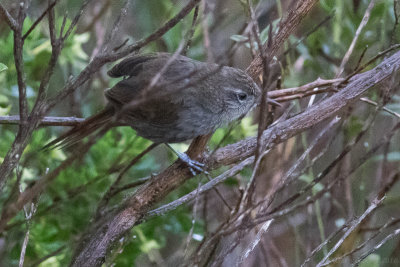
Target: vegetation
(313, 181)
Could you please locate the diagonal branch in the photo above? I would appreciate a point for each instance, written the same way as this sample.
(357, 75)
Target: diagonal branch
(9, 19)
(363, 23)
(39, 19)
(286, 27)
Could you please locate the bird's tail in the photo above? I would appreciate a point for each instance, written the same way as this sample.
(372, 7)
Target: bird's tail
(82, 130)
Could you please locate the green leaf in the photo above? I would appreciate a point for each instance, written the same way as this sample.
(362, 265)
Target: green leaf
(308, 179)
(265, 32)
(239, 38)
(5, 106)
(327, 5)
(3, 100)
(353, 127)
(372, 260)
(3, 67)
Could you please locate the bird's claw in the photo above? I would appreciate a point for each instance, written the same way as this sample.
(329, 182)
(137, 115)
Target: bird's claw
(192, 164)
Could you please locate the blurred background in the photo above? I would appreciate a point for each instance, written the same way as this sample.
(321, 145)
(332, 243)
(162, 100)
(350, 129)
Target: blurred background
(315, 50)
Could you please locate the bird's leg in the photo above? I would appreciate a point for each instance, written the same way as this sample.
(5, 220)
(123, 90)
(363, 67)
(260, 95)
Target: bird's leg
(192, 164)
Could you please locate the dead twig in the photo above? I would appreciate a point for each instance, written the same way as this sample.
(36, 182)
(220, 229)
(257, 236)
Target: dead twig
(373, 103)
(39, 19)
(9, 19)
(304, 89)
(46, 121)
(363, 23)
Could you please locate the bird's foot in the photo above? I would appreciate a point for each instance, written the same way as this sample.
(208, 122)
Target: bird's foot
(192, 164)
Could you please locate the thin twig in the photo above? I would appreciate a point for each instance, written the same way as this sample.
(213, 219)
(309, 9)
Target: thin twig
(209, 185)
(373, 103)
(52, 254)
(358, 248)
(264, 114)
(304, 88)
(328, 169)
(63, 23)
(380, 54)
(286, 27)
(285, 180)
(9, 19)
(39, 19)
(19, 65)
(105, 6)
(160, 32)
(206, 33)
(190, 33)
(375, 248)
(46, 121)
(113, 188)
(363, 23)
(52, 26)
(382, 193)
(28, 216)
(324, 243)
(75, 20)
(257, 239)
(356, 223)
(116, 28)
(361, 57)
(307, 34)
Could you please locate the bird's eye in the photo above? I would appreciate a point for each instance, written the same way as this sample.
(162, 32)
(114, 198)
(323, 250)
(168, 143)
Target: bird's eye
(241, 96)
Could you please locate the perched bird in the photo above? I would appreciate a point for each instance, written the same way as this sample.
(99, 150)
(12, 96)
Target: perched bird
(170, 98)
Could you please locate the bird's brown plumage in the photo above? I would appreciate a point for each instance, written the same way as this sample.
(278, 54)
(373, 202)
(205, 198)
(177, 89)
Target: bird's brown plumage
(189, 98)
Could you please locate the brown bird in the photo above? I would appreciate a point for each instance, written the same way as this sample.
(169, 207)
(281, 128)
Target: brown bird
(170, 99)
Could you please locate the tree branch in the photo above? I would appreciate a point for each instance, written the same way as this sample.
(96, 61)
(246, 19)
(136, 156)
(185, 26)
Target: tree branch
(39, 19)
(46, 121)
(9, 19)
(363, 23)
(286, 27)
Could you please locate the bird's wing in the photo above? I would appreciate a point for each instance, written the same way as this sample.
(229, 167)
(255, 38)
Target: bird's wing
(131, 66)
(163, 102)
(140, 70)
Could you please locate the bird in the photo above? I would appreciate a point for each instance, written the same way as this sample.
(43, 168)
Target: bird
(169, 98)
